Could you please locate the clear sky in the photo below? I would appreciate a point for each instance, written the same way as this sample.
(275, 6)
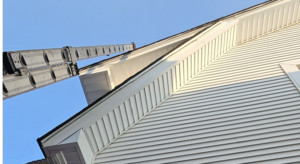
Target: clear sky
(36, 24)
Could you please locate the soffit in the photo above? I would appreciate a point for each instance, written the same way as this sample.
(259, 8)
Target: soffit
(95, 85)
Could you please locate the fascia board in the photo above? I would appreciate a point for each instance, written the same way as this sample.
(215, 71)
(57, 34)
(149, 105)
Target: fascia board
(110, 102)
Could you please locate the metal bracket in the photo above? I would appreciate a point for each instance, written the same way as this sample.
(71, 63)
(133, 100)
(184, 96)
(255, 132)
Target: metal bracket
(22, 71)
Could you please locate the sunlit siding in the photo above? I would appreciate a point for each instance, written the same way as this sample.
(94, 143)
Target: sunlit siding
(242, 108)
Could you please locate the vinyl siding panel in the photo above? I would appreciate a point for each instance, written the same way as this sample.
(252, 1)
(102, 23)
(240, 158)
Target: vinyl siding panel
(242, 108)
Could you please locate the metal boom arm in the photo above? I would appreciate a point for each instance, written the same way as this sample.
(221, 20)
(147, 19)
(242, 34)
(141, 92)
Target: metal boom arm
(26, 70)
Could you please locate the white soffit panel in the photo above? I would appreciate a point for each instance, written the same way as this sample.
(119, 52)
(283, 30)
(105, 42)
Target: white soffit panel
(292, 68)
(95, 85)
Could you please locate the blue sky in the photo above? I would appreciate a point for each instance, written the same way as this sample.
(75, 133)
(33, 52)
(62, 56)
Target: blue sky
(39, 24)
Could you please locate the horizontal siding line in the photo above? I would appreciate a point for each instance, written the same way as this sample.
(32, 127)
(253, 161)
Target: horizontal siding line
(279, 46)
(236, 79)
(230, 87)
(275, 146)
(224, 93)
(205, 113)
(208, 109)
(255, 135)
(234, 104)
(205, 110)
(277, 41)
(290, 157)
(259, 57)
(229, 91)
(209, 120)
(238, 70)
(247, 154)
(223, 67)
(210, 135)
(232, 139)
(226, 82)
(182, 120)
(232, 144)
(232, 65)
(288, 91)
(203, 83)
(189, 127)
(259, 50)
(256, 60)
(220, 77)
(216, 98)
(265, 40)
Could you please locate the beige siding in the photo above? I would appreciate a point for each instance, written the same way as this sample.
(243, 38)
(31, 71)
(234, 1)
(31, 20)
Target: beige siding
(242, 108)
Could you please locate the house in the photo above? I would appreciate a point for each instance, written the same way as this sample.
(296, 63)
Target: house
(227, 91)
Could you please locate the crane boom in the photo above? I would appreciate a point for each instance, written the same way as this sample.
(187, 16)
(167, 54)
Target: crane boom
(27, 70)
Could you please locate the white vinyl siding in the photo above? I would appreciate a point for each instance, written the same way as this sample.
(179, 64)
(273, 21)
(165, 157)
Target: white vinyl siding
(242, 108)
(153, 94)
